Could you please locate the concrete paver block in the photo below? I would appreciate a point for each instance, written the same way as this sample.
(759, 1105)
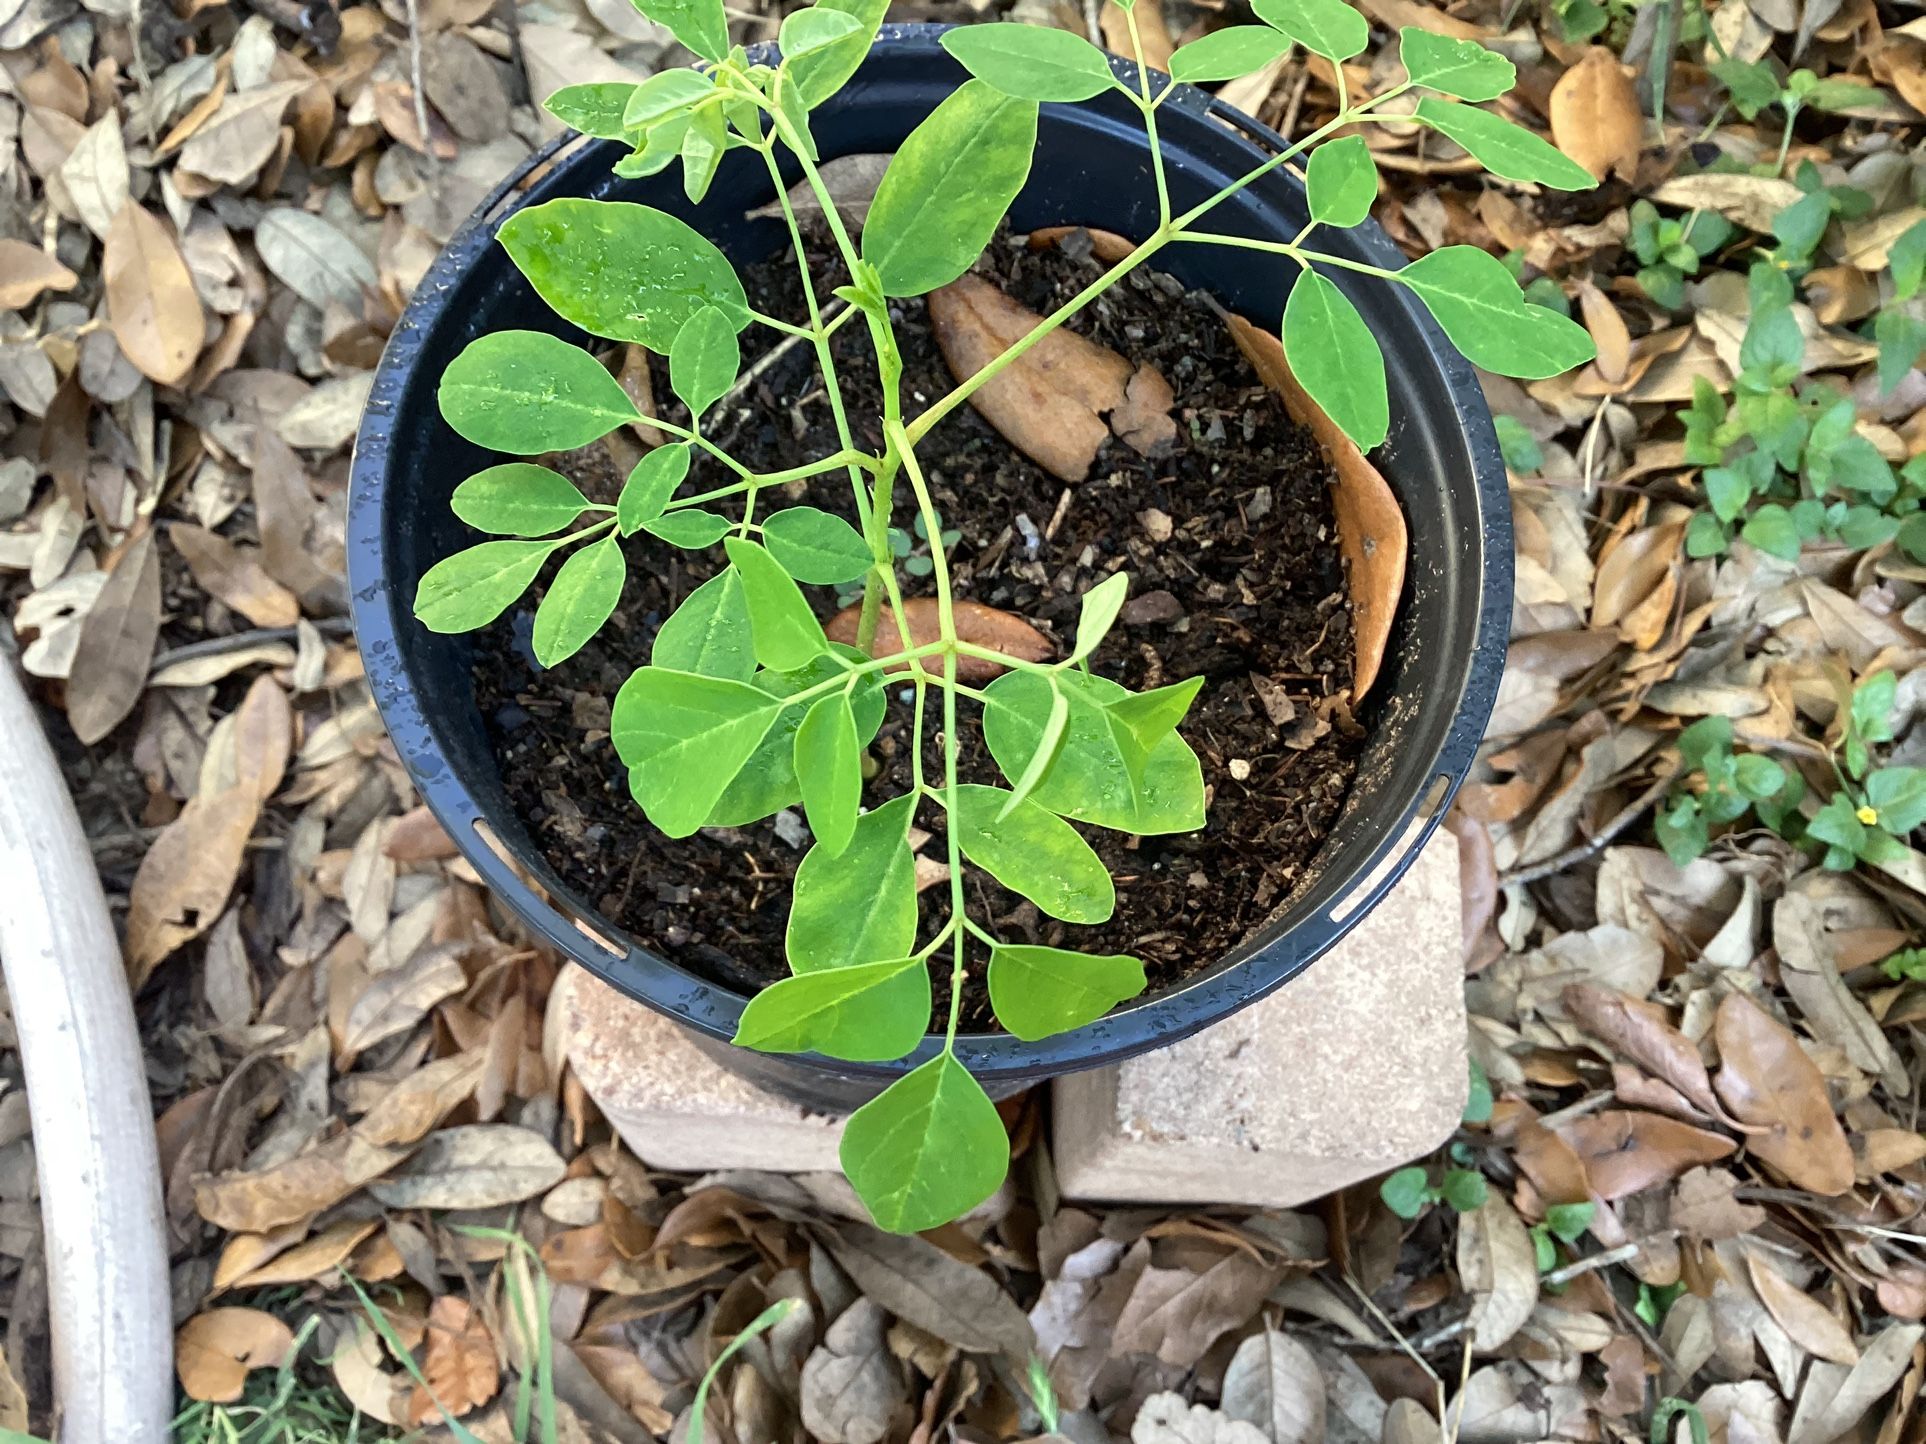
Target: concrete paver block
(1352, 1069)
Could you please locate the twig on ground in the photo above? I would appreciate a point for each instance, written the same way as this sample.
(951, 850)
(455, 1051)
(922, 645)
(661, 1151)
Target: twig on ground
(1572, 856)
(241, 641)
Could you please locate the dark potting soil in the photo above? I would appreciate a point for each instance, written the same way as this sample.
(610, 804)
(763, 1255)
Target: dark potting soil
(1231, 548)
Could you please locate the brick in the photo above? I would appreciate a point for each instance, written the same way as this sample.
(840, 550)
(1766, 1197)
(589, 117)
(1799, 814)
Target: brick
(1350, 1070)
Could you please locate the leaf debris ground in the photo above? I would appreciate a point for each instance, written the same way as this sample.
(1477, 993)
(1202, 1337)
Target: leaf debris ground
(210, 225)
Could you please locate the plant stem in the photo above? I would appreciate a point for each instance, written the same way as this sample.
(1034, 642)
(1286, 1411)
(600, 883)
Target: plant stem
(1286, 248)
(1149, 109)
(776, 323)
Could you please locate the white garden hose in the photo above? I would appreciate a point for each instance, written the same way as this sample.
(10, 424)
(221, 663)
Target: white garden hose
(93, 1123)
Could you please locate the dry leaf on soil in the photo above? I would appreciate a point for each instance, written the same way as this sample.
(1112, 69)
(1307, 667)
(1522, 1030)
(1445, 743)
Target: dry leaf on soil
(1371, 530)
(1496, 1263)
(1766, 1078)
(852, 1389)
(116, 644)
(1595, 117)
(215, 1350)
(459, 1364)
(479, 1165)
(151, 301)
(919, 1283)
(1642, 1032)
(1626, 1152)
(1178, 1313)
(26, 271)
(235, 575)
(1167, 1419)
(1807, 1322)
(1274, 1383)
(984, 626)
(1064, 397)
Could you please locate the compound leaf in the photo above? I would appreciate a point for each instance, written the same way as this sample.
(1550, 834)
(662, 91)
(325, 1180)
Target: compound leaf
(808, 30)
(947, 187)
(527, 392)
(1324, 27)
(518, 498)
(1227, 54)
(1341, 181)
(1100, 607)
(786, 632)
(1032, 851)
(821, 73)
(689, 528)
(709, 633)
(1505, 149)
(1463, 68)
(868, 1013)
(622, 270)
(704, 359)
(767, 782)
(683, 737)
(1031, 62)
(1038, 992)
(1336, 358)
(651, 483)
(473, 587)
(579, 600)
(594, 109)
(815, 546)
(927, 1149)
(1478, 303)
(860, 906)
(699, 24)
(829, 767)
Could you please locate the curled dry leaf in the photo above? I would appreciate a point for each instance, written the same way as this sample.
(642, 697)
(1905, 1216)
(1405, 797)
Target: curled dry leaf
(1626, 1152)
(1595, 116)
(151, 302)
(975, 623)
(1059, 401)
(459, 1364)
(26, 271)
(1766, 1078)
(215, 1350)
(1641, 1031)
(1371, 530)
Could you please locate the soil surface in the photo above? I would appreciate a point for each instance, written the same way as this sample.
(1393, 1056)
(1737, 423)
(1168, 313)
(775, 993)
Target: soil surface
(1235, 574)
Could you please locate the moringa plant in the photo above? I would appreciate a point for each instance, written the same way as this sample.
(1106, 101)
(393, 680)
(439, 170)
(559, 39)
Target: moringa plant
(745, 706)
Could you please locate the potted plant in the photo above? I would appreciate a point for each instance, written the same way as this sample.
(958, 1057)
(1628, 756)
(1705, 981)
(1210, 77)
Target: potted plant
(741, 705)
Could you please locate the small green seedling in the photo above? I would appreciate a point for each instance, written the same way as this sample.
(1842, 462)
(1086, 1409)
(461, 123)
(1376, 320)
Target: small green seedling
(1564, 1223)
(1907, 965)
(1670, 249)
(745, 706)
(1410, 1191)
(1734, 783)
(1755, 86)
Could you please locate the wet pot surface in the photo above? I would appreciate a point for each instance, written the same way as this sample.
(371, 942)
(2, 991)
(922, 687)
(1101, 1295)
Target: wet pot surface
(1446, 648)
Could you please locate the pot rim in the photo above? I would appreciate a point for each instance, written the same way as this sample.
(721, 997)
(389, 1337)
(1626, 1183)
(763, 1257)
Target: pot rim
(1153, 1020)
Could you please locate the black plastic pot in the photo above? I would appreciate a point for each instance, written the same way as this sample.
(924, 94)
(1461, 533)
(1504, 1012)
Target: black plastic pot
(1441, 670)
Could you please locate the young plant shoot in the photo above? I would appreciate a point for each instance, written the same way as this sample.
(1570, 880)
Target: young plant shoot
(745, 706)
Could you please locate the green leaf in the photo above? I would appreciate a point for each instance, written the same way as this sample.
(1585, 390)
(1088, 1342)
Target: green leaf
(829, 766)
(859, 906)
(1568, 1221)
(1324, 27)
(1463, 1189)
(663, 94)
(1478, 303)
(1033, 852)
(1771, 530)
(1478, 1099)
(518, 498)
(683, 737)
(621, 270)
(1681, 829)
(578, 601)
(702, 147)
(1049, 743)
(704, 359)
(1907, 257)
(1341, 181)
(1039, 992)
(1873, 701)
(1100, 607)
(527, 392)
(1757, 777)
(804, 32)
(816, 547)
(473, 587)
(709, 633)
(1093, 778)
(699, 24)
(1505, 149)
(594, 109)
(1406, 1192)
(1837, 823)
(1901, 336)
(786, 631)
(1336, 358)
(1898, 795)
(1463, 68)
(1706, 744)
(650, 485)
(947, 187)
(1832, 95)
(927, 1149)
(767, 782)
(1031, 62)
(1227, 54)
(869, 1013)
(689, 528)
(1753, 84)
(821, 73)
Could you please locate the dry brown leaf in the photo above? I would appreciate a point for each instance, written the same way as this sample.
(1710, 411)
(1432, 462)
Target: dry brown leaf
(1766, 1078)
(1614, 342)
(975, 623)
(240, 137)
(1178, 1313)
(1625, 1152)
(1705, 1209)
(460, 1364)
(116, 644)
(1153, 32)
(234, 574)
(1595, 117)
(319, 1257)
(1167, 1419)
(215, 1350)
(1807, 1322)
(1835, 1397)
(1642, 1032)
(1273, 1382)
(1371, 530)
(479, 1165)
(26, 271)
(151, 301)
(1064, 397)
(294, 1190)
(1496, 1263)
